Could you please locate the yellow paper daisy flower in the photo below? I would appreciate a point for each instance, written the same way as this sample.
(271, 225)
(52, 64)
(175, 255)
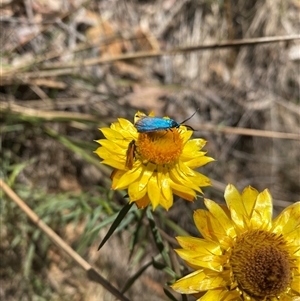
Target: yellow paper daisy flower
(153, 166)
(244, 255)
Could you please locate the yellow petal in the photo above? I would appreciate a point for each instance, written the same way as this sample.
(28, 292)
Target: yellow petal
(129, 177)
(124, 130)
(138, 115)
(185, 169)
(297, 253)
(104, 153)
(296, 284)
(111, 134)
(120, 148)
(115, 176)
(129, 136)
(293, 237)
(262, 211)
(197, 162)
(154, 191)
(222, 218)
(114, 164)
(135, 193)
(233, 295)
(199, 281)
(165, 187)
(200, 180)
(146, 174)
(249, 196)
(113, 148)
(115, 126)
(186, 284)
(166, 197)
(286, 298)
(202, 221)
(194, 145)
(210, 295)
(183, 191)
(198, 260)
(166, 202)
(185, 134)
(126, 125)
(187, 156)
(234, 202)
(187, 197)
(287, 220)
(209, 227)
(199, 245)
(221, 294)
(143, 202)
(178, 175)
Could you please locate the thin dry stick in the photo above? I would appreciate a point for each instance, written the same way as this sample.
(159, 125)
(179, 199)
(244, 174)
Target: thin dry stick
(149, 54)
(47, 115)
(248, 132)
(91, 272)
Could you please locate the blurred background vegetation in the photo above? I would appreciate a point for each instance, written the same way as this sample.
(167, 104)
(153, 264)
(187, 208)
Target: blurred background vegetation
(64, 74)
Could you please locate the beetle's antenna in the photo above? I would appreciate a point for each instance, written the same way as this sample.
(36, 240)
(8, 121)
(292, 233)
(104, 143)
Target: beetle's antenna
(190, 116)
(189, 127)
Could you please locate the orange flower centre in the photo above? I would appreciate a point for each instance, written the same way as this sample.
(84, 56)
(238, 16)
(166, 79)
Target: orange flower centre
(161, 147)
(261, 264)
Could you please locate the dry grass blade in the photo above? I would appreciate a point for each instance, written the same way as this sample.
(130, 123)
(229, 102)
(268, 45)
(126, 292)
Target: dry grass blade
(149, 54)
(46, 115)
(249, 132)
(91, 272)
(38, 82)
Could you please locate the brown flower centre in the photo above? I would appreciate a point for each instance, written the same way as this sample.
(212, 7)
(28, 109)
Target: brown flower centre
(261, 264)
(161, 147)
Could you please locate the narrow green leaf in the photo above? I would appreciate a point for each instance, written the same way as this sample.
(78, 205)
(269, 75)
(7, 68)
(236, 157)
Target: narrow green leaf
(169, 271)
(162, 267)
(136, 234)
(132, 279)
(28, 260)
(169, 295)
(138, 255)
(104, 223)
(157, 238)
(16, 169)
(116, 223)
(158, 265)
(125, 222)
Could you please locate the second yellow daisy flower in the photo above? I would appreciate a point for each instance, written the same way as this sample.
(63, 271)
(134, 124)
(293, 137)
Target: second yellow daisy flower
(244, 255)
